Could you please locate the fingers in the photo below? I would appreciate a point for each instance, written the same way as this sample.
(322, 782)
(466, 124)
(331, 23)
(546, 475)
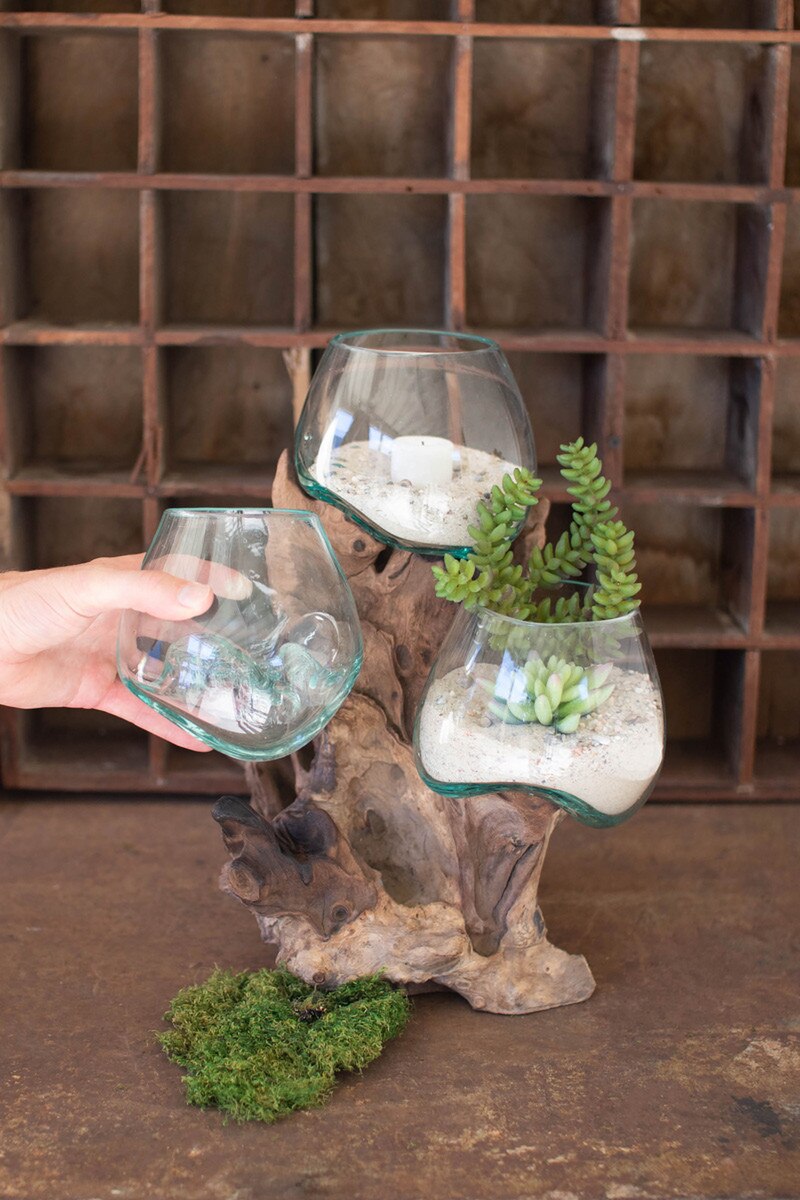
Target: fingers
(96, 588)
(121, 703)
(225, 581)
(44, 609)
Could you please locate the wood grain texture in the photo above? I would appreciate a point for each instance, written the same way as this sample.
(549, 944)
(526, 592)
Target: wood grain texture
(528, 260)
(366, 869)
(381, 106)
(532, 110)
(228, 258)
(82, 256)
(212, 86)
(673, 908)
(57, 109)
(250, 429)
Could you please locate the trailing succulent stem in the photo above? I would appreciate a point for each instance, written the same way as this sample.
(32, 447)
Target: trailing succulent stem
(552, 692)
(595, 541)
(488, 576)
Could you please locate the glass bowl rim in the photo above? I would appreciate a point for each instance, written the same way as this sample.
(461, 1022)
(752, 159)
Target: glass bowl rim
(479, 344)
(242, 510)
(634, 615)
(304, 514)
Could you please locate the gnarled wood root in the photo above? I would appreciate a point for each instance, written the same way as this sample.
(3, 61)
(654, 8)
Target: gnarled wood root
(367, 869)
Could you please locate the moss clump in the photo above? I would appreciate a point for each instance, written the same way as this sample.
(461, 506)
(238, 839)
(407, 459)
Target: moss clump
(261, 1045)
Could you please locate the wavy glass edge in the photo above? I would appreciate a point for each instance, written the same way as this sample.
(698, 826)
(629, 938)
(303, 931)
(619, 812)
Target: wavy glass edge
(477, 342)
(564, 800)
(319, 492)
(586, 814)
(301, 739)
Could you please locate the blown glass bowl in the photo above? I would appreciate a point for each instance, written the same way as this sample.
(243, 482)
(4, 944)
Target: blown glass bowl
(261, 672)
(405, 430)
(573, 712)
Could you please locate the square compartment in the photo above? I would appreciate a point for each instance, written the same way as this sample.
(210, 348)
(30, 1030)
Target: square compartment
(559, 394)
(715, 92)
(783, 573)
(384, 10)
(705, 14)
(230, 8)
(80, 102)
(73, 410)
(380, 260)
(534, 109)
(229, 258)
(228, 414)
(532, 261)
(684, 266)
(778, 731)
(79, 6)
(702, 698)
(786, 427)
(228, 103)
(382, 105)
(695, 566)
(789, 317)
(537, 12)
(57, 531)
(80, 250)
(691, 421)
(793, 130)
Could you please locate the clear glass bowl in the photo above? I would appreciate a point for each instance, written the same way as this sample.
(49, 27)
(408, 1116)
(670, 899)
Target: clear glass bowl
(406, 430)
(266, 667)
(573, 712)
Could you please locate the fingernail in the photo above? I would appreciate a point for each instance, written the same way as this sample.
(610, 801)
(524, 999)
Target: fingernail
(193, 595)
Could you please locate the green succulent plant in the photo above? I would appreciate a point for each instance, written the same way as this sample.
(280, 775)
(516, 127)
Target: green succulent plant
(595, 541)
(556, 692)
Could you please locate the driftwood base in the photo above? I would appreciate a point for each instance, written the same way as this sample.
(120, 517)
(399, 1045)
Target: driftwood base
(367, 869)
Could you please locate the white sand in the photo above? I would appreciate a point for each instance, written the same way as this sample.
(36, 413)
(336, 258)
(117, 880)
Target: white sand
(609, 761)
(434, 515)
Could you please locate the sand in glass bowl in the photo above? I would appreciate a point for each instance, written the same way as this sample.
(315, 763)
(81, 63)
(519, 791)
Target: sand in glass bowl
(265, 668)
(572, 711)
(406, 430)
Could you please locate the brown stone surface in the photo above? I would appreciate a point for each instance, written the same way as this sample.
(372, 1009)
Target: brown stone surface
(680, 1077)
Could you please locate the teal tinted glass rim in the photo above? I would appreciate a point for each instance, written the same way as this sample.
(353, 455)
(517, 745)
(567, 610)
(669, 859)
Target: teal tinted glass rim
(320, 492)
(635, 615)
(480, 343)
(187, 511)
(283, 749)
(573, 805)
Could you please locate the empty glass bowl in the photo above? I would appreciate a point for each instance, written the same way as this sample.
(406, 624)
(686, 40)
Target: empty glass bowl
(406, 430)
(572, 712)
(266, 667)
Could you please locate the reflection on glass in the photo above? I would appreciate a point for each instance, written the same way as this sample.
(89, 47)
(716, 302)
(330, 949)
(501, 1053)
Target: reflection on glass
(572, 711)
(260, 673)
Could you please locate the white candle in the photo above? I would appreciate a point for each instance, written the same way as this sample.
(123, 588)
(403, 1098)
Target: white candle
(422, 460)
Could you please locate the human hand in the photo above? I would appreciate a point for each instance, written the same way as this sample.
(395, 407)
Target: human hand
(58, 636)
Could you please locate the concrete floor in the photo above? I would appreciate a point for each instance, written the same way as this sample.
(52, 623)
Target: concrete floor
(680, 1077)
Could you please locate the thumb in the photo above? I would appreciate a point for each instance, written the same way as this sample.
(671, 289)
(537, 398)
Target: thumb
(43, 609)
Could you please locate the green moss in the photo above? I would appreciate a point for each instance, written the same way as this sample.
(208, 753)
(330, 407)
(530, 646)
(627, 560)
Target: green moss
(488, 576)
(261, 1045)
